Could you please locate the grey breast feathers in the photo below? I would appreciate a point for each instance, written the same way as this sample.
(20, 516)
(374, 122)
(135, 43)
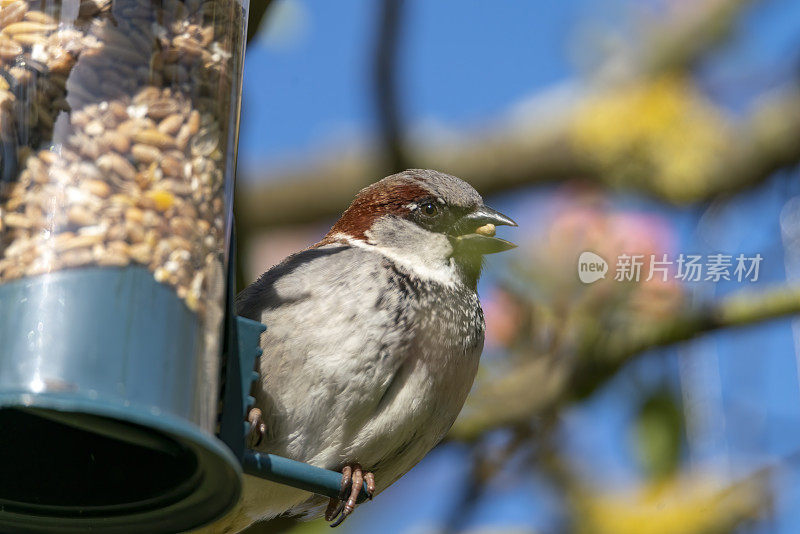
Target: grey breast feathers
(336, 331)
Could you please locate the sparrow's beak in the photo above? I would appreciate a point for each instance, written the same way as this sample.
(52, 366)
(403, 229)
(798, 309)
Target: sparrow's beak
(474, 232)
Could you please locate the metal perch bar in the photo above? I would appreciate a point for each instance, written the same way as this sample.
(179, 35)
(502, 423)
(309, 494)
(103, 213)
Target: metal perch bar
(296, 474)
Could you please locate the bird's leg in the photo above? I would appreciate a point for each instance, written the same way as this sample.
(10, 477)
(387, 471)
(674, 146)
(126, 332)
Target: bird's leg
(257, 427)
(353, 480)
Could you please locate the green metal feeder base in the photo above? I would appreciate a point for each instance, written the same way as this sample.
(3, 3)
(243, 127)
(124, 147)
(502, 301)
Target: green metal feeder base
(102, 399)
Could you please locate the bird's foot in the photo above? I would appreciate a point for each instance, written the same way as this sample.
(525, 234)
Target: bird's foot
(353, 480)
(257, 427)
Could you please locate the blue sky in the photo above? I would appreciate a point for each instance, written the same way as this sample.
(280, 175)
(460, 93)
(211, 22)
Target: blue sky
(465, 64)
(459, 67)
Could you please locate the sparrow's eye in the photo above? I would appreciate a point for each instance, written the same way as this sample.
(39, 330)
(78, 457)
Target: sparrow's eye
(429, 209)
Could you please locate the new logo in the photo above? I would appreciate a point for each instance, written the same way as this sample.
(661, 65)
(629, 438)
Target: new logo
(591, 267)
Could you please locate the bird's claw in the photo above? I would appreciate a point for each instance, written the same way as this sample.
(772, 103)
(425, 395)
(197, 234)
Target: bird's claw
(369, 482)
(353, 480)
(257, 427)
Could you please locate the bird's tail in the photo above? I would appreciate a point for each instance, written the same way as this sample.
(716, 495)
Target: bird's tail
(261, 500)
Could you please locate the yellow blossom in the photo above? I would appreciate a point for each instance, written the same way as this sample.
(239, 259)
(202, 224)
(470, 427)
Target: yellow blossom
(662, 131)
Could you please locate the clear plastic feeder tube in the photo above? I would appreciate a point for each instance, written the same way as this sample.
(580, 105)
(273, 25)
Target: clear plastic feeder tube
(118, 123)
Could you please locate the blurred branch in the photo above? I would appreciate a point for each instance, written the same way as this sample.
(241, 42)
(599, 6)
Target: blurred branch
(762, 144)
(485, 464)
(529, 390)
(491, 164)
(539, 386)
(679, 44)
(386, 89)
(744, 308)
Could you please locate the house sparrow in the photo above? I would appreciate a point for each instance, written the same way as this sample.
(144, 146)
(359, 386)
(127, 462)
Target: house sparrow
(373, 339)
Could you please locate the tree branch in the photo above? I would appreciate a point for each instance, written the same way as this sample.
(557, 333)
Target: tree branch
(514, 157)
(679, 44)
(385, 80)
(491, 164)
(542, 384)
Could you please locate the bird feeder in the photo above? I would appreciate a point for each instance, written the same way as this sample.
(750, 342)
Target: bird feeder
(118, 133)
